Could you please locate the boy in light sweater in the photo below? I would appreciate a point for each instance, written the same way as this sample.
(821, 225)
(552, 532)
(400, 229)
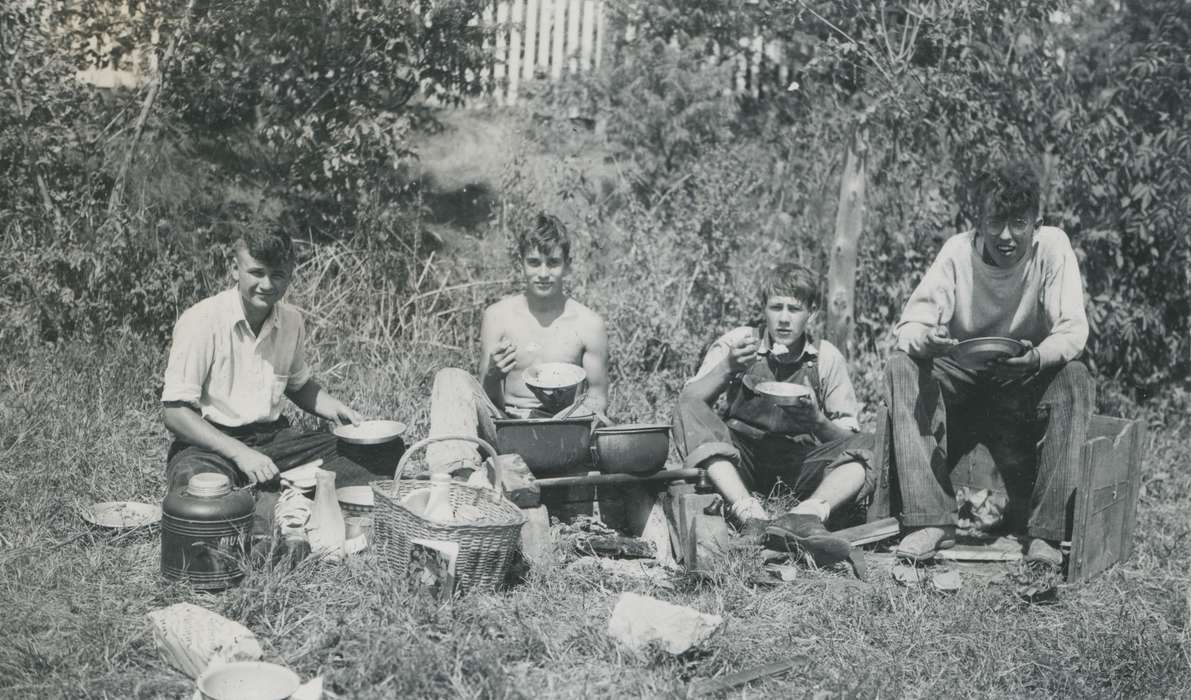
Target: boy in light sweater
(1014, 278)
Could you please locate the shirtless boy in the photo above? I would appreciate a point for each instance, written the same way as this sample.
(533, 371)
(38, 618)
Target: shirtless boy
(541, 324)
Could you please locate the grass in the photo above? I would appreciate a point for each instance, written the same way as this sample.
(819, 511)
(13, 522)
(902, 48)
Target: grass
(81, 424)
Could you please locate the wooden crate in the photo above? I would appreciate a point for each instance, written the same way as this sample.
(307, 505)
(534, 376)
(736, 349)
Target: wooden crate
(1105, 498)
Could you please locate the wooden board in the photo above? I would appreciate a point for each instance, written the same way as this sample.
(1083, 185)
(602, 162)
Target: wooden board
(1106, 498)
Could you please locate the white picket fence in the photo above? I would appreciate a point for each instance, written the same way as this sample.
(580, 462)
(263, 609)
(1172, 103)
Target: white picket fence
(547, 39)
(534, 40)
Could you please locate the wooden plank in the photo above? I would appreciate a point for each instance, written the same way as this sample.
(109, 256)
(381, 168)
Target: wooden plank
(501, 66)
(601, 27)
(1082, 546)
(872, 531)
(516, 18)
(976, 553)
(574, 8)
(599, 479)
(587, 35)
(557, 29)
(719, 685)
(1136, 453)
(706, 536)
(531, 39)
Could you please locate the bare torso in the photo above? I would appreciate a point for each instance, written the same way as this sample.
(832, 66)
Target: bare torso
(559, 337)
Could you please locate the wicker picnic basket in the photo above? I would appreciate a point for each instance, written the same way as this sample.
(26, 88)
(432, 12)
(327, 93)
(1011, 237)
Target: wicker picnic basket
(487, 542)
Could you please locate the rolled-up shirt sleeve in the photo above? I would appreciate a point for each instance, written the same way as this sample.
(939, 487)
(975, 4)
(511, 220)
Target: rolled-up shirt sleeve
(299, 371)
(191, 352)
(719, 350)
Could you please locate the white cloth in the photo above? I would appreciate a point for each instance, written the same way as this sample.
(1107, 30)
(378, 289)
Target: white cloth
(229, 374)
(1039, 299)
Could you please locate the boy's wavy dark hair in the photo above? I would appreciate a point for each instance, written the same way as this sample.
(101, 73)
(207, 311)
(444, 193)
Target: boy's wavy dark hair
(791, 280)
(547, 231)
(1011, 189)
(270, 244)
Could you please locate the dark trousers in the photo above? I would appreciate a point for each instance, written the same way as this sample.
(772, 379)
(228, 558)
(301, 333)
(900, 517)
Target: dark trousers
(1034, 429)
(286, 446)
(700, 434)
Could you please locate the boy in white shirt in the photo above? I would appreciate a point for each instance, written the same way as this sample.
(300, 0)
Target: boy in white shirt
(234, 359)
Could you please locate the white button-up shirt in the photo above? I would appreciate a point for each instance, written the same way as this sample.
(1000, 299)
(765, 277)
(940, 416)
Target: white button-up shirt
(230, 374)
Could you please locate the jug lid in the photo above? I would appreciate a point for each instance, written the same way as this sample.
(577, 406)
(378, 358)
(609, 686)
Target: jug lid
(208, 485)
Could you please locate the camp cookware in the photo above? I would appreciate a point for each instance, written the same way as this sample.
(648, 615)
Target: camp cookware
(205, 528)
(121, 515)
(370, 432)
(975, 353)
(549, 446)
(241, 680)
(555, 384)
(635, 448)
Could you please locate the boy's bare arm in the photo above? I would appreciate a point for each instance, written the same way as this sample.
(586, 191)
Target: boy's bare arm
(314, 399)
(184, 422)
(595, 362)
(495, 354)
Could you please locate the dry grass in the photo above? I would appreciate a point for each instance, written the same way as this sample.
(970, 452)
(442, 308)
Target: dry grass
(81, 424)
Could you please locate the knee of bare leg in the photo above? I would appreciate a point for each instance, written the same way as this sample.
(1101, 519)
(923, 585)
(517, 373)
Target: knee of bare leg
(450, 375)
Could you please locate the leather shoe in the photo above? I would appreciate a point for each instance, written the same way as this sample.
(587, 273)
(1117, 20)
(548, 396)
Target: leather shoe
(1044, 553)
(922, 543)
(805, 533)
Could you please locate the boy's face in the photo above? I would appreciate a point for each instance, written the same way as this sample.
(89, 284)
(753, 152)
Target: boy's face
(786, 319)
(1007, 237)
(544, 272)
(261, 285)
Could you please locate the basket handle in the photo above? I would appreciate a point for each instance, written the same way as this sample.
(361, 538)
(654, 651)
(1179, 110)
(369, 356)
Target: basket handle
(487, 448)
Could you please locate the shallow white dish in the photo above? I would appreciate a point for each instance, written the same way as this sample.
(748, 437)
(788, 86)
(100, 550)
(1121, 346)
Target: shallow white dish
(121, 515)
(783, 390)
(248, 680)
(370, 432)
(303, 477)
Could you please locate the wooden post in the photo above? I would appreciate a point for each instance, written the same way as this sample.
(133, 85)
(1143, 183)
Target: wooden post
(516, 20)
(574, 9)
(849, 225)
(501, 67)
(587, 43)
(558, 29)
(531, 39)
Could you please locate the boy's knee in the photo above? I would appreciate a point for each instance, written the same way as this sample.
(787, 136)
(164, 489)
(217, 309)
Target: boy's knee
(1073, 384)
(451, 375)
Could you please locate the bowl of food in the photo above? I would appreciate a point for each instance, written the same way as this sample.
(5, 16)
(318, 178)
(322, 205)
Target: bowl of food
(355, 500)
(784, 393)
(555, 384)
(370, 432)
(248, 680)
(634, 448)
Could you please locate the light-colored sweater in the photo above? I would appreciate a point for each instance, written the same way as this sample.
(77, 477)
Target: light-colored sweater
(1039, 299)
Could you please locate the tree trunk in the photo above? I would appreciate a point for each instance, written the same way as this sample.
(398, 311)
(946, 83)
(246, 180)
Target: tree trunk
(849, 225)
